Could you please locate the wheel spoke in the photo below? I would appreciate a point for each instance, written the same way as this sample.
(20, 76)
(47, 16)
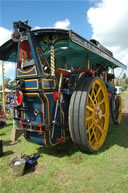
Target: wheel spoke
(98, 92)
(90, 127)
(99, 127)
(89, 108)
(89, 118)
(91, 135)
(103, 101)
(93, 86)
(95, 136)
(92, 92)
(94, 95)
(90, 97)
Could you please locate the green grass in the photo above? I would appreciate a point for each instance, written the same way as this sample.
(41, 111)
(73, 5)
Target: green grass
(125, 93)
(64, 169)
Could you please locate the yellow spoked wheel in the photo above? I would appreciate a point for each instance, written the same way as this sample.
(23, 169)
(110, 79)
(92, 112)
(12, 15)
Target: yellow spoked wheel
(89, 114)
(116, 109)
(120, 110)
(97, 114)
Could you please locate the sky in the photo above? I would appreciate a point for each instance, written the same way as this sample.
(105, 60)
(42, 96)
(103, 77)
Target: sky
(104, 20)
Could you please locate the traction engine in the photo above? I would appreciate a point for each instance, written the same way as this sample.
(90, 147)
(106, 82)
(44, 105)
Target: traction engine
(64, 86)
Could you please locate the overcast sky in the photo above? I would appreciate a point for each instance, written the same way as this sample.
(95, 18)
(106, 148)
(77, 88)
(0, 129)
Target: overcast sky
(104, 20)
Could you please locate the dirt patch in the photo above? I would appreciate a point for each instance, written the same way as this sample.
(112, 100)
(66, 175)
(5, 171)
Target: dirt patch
(124, 104)
(78, 160)
(40, 169)
(61, 176)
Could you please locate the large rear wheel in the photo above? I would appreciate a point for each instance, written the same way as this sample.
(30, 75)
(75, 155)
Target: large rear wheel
(89, 114)
(116, 109)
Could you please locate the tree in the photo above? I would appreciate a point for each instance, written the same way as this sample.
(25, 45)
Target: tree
(117, 83)
(7, 82)
(124, 75)
(10, 84)
(127, 81)
(124, 85)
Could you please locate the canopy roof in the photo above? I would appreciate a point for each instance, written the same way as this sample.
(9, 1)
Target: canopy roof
(70, 48)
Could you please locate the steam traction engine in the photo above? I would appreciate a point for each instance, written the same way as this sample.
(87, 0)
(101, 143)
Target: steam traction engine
(64, 86)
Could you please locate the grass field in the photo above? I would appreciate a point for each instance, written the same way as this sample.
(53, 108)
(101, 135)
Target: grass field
(64, 169)
(125, 93)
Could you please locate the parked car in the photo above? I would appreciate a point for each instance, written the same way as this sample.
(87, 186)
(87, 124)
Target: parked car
(119, 89)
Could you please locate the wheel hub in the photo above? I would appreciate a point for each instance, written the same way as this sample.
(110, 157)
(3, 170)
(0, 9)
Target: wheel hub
(98, 112)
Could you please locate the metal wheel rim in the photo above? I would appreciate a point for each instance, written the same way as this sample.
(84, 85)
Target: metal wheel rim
(97, 114)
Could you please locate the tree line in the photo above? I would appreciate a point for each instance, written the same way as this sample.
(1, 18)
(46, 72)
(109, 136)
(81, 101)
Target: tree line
(9, 83)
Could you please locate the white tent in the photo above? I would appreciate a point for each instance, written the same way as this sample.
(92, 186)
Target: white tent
(6, 90)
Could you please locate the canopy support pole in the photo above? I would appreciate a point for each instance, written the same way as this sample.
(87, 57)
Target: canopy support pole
(3, 88)
(52, 61)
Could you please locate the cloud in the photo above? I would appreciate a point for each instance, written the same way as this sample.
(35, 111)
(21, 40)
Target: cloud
(108, 19)
(37, 27)
(62, 24)
(59, 24)
(5, 35)
(9, 67)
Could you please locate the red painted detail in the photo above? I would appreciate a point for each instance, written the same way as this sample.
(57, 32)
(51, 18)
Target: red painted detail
(16, 38)
(58, 139)
(19, 97)
(86, 71)
(18, 100)
(62, 71)
(2, 117)
(40, 126)
(21, 124)
(46, 128)
(109, 94)
(24, 50)
(56, 96)
(2, 114)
